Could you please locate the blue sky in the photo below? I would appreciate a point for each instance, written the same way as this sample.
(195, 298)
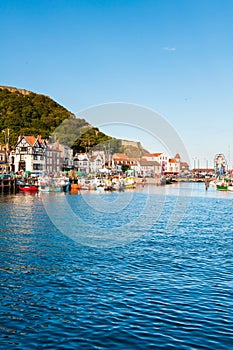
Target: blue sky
(172, 56)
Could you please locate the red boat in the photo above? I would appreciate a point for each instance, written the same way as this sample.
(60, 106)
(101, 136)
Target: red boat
(28, 188)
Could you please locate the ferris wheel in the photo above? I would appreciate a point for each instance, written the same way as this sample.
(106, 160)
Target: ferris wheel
(220, 164)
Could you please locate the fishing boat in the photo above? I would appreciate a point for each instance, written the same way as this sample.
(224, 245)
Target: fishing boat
(222, 186)
(53, 184)
(27, 188)
(129, 183)
(118, 184)
(75, 186)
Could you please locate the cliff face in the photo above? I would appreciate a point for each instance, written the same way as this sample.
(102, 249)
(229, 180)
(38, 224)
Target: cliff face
(127, 143)
(13, 89)
(132, 149)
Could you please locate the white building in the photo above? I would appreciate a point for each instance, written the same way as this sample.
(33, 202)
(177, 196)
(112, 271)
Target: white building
(66, 155)
(168, 165)
(161, 158)
(96, 163)
(29, 154)
(81, 162)
(173, 165)
(149, 168)
(4, 166)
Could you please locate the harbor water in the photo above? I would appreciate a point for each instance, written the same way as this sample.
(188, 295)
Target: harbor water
(144, 269)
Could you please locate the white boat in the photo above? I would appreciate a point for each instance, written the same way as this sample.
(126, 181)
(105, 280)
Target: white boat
(53, 184)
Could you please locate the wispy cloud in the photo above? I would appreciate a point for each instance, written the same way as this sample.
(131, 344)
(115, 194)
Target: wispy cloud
(169, 48)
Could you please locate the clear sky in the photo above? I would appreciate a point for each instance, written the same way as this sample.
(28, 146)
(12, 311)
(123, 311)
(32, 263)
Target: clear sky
(172, 56)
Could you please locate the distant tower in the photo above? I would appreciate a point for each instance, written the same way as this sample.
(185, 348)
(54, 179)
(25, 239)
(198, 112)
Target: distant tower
(177, 157)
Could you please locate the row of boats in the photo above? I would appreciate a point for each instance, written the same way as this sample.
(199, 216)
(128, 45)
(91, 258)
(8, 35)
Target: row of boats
(64, 184)
(223, 184)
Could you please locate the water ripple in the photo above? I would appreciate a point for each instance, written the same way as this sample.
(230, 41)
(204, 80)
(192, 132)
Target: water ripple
(162, 291)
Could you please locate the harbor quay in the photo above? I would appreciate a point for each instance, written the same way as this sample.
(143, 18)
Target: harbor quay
(67, 181)
(8, 185)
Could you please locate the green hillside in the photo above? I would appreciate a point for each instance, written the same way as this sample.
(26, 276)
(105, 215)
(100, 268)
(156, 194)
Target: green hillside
(24, 112)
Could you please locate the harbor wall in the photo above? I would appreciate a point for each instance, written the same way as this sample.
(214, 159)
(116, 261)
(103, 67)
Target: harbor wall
(8, 186)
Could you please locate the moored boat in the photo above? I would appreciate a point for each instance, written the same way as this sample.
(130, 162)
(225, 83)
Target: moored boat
(222, 186)
(27, 188)
(129, 183)
(75, 186)
(53, 184)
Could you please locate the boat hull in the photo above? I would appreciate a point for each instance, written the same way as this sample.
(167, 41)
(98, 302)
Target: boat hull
(28, 188)
(222, 187)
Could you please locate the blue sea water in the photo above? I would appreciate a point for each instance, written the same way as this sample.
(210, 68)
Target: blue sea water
(149, 269)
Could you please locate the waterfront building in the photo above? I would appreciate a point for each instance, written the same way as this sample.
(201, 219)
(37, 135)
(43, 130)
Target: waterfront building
(140, 166)
(149, 168)
(135, 166)
(54, 160)
(173, 166)
(169, 166)
(184, 167)
(66, 155)
(29, 154)
(59, 157)
(161, 158)
(81, 162)
(96, 163)
(4, 164)
(122, 159)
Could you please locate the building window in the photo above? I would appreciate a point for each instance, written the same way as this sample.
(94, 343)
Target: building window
(37, 167)
(35, 157)
(41, 157)
(23, 149)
